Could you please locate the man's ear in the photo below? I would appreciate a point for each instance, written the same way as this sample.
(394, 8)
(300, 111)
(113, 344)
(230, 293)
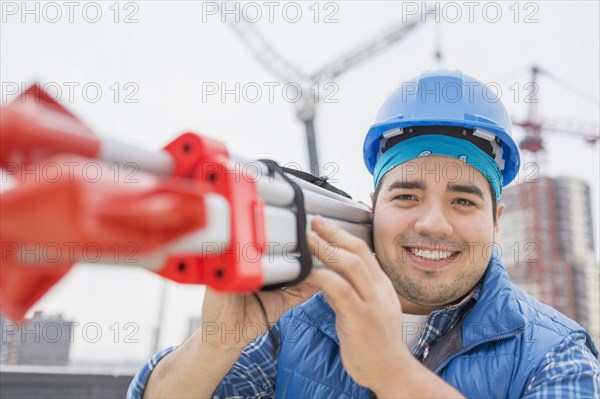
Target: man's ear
(499, 213)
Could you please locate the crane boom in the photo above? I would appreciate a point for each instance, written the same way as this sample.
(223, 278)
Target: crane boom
(587, 132)
(286, 71)
(266, 54)
(533, 141)
(367, 50)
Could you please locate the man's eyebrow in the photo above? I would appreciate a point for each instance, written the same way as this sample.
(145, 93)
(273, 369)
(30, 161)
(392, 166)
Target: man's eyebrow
(407, 185)
(466, 189)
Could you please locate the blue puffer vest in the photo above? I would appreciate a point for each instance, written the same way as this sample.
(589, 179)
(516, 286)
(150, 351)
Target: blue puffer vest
(505, 336)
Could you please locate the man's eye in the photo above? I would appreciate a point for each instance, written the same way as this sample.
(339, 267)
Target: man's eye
(404, 197)
(465, 202)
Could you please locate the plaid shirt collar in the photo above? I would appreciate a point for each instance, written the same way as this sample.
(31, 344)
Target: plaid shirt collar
(441, 320)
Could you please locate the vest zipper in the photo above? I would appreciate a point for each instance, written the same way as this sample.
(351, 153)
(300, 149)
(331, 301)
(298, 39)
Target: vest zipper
(468, 348)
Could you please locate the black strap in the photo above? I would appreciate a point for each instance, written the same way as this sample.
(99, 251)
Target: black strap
(305, 255)
(452, 131)
(316, 180)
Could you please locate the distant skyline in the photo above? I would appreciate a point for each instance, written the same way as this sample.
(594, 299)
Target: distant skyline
(141, 73)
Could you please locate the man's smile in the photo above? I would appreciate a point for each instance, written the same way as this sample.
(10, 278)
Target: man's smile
(428, 257)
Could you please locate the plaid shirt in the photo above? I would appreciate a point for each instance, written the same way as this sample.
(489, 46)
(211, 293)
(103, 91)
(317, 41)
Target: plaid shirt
(440, 321)
(568, 368)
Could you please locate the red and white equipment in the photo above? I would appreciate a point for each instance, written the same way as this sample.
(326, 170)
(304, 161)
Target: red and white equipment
(191, 212)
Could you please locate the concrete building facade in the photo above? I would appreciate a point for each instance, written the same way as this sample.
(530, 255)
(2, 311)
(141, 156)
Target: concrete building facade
(41, 340)
(548, 246)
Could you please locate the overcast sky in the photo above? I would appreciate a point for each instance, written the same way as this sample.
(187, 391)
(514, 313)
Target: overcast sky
(155, 73)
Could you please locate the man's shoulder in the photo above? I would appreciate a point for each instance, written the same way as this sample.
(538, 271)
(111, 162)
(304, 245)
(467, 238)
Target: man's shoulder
(542, 314)
(507, 301)
(504, 308)
(315, 313)
(547, 319)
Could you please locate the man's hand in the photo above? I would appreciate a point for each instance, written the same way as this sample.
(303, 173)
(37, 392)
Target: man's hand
(368, 311)
(368, 317)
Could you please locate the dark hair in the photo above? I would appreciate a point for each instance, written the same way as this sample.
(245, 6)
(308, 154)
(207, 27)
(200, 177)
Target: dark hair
(493, 193)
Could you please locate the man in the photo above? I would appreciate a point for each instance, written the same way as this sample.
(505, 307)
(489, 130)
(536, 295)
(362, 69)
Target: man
(431, 313)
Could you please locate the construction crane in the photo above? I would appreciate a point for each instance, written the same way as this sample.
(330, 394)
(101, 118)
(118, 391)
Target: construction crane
(533, 142)
(539, 209)
(287, 72)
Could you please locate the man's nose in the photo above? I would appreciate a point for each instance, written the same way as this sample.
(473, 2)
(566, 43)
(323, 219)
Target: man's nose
(434, 221)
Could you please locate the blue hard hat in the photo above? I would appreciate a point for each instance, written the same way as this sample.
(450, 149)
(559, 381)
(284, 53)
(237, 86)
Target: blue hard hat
(446, 98)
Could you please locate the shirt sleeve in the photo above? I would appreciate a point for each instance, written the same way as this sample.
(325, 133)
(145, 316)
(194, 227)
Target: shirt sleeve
(569, 370)
(254, 373)
(140, 380)
(252, 376)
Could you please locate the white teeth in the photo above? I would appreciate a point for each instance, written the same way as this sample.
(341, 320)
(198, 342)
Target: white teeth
(431, 255)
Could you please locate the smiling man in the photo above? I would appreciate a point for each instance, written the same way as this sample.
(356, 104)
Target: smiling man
(431, 313)
(432, 239)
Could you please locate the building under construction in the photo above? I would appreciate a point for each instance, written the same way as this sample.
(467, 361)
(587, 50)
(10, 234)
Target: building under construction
(547, 241)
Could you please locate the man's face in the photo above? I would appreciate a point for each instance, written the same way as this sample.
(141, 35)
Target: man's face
(433, 230)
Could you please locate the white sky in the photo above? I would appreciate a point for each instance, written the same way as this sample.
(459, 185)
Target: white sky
(174, 50)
